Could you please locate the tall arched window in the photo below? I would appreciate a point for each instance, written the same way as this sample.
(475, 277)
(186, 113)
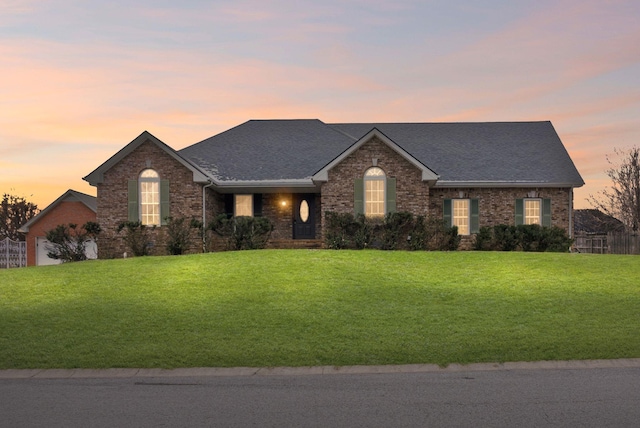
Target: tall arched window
(149, 187)
(374, 192)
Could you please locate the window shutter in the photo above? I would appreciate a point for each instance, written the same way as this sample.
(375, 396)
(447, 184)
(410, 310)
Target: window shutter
(133, 201)
(257, 204)
(358, 196)
(475, 216)
(448, 218)
(546, 212)
(164, 201)
(228, 205)
(391, 195)
(519, 212)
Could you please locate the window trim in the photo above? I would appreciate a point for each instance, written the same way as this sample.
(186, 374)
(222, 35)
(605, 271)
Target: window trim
(467, 216)
(524, 210)
(368, 179)
(155, 180)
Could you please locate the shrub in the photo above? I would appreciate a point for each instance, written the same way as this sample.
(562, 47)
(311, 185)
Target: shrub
(529, 237)
(397, 230)
(242, 233)
(137, 237)
(68, 242)
(340, 230)
(178, 234)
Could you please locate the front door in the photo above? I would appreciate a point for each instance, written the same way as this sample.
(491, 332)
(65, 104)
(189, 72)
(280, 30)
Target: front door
(304, 209)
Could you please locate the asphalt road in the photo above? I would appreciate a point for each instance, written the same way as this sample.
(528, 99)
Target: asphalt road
(593, 397)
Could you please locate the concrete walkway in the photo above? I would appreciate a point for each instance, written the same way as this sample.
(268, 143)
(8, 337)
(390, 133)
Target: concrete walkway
(318, 370)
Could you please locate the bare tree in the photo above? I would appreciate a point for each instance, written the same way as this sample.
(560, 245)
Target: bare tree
(15, 211)
(622, 199)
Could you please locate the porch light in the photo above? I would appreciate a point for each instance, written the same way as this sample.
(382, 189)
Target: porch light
(283, 203)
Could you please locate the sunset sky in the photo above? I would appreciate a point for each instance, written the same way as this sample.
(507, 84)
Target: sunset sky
(80, 79)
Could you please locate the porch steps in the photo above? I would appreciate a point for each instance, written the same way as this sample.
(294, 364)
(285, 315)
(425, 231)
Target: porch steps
(308, 244)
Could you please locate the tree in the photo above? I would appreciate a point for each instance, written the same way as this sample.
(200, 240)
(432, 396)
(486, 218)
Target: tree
(622, 200)
(15, 211)
(68, 242)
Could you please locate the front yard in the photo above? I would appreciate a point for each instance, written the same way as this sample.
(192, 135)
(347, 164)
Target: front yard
(299, 308)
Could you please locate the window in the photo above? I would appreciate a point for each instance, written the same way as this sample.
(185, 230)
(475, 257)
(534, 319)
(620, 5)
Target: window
(532, 211)
(243, 205)
(461, 215)
(149, 185)
(374, 192)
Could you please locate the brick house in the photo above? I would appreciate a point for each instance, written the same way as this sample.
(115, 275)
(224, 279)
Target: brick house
(71, 207)
(294, 171)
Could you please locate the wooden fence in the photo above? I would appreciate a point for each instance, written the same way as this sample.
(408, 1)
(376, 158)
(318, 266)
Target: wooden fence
(12, 253)
(611, 243)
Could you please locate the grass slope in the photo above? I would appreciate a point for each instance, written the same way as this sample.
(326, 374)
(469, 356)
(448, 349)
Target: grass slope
(299, 308)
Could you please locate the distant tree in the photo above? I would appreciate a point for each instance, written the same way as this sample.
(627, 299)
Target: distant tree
(15, 211)
(622, 200)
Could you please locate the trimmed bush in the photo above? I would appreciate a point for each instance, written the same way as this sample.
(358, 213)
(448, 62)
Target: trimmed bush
(528, 237)
(243, 233)
(396, 231)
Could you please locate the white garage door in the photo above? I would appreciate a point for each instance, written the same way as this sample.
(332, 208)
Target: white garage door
(91, 250)
(41, 253)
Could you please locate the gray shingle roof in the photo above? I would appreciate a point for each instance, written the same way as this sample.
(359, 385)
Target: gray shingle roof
(491, 152)
(268, 150)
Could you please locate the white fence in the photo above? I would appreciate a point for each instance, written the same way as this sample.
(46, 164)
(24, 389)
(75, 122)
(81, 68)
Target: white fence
(12, 253)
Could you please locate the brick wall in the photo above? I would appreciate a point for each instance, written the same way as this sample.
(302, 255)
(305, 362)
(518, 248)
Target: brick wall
(64, 213)
(412, 194)
(497, 205)
(185, 199)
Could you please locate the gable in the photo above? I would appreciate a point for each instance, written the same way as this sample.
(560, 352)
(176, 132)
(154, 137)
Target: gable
(97, 176)
(70, 196)
(427, 174)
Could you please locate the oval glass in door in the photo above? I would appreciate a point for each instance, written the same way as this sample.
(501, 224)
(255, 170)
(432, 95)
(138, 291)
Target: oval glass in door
(304, 211)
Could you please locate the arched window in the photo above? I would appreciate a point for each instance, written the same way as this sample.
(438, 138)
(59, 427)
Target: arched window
(149, 187)
(374, 192)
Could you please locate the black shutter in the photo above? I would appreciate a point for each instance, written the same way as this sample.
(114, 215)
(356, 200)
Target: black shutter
(257, 204)
(228, 205)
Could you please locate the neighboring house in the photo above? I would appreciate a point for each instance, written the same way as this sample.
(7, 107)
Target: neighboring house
(71, 207)
(294, 171)
(592, 221)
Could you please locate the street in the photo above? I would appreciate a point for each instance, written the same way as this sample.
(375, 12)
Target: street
(503, 398)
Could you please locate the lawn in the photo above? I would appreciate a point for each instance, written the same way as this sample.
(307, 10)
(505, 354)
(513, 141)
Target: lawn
(300, 308)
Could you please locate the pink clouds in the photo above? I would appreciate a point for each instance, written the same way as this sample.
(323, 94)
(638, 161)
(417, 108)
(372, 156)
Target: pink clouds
(192, 70)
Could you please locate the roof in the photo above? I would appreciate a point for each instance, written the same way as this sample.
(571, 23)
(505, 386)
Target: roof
(483, 153)
(279, 152)
(297, 154)
(595, 221)
(68, 196)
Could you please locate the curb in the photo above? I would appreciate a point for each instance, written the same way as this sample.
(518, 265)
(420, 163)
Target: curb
(311, 371)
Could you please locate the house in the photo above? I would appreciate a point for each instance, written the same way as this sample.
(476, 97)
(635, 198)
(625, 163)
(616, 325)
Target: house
(592, 221)
(71, 207)
(294, 171)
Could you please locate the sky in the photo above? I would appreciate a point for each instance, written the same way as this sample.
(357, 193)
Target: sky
(80, 79)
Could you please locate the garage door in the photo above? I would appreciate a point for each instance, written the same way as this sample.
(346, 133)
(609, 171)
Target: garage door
(41, 253)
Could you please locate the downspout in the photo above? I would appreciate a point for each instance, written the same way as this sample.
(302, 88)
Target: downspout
(204, 216)
(571, 212)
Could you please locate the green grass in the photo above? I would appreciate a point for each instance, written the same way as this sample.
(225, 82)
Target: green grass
(300, 308)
